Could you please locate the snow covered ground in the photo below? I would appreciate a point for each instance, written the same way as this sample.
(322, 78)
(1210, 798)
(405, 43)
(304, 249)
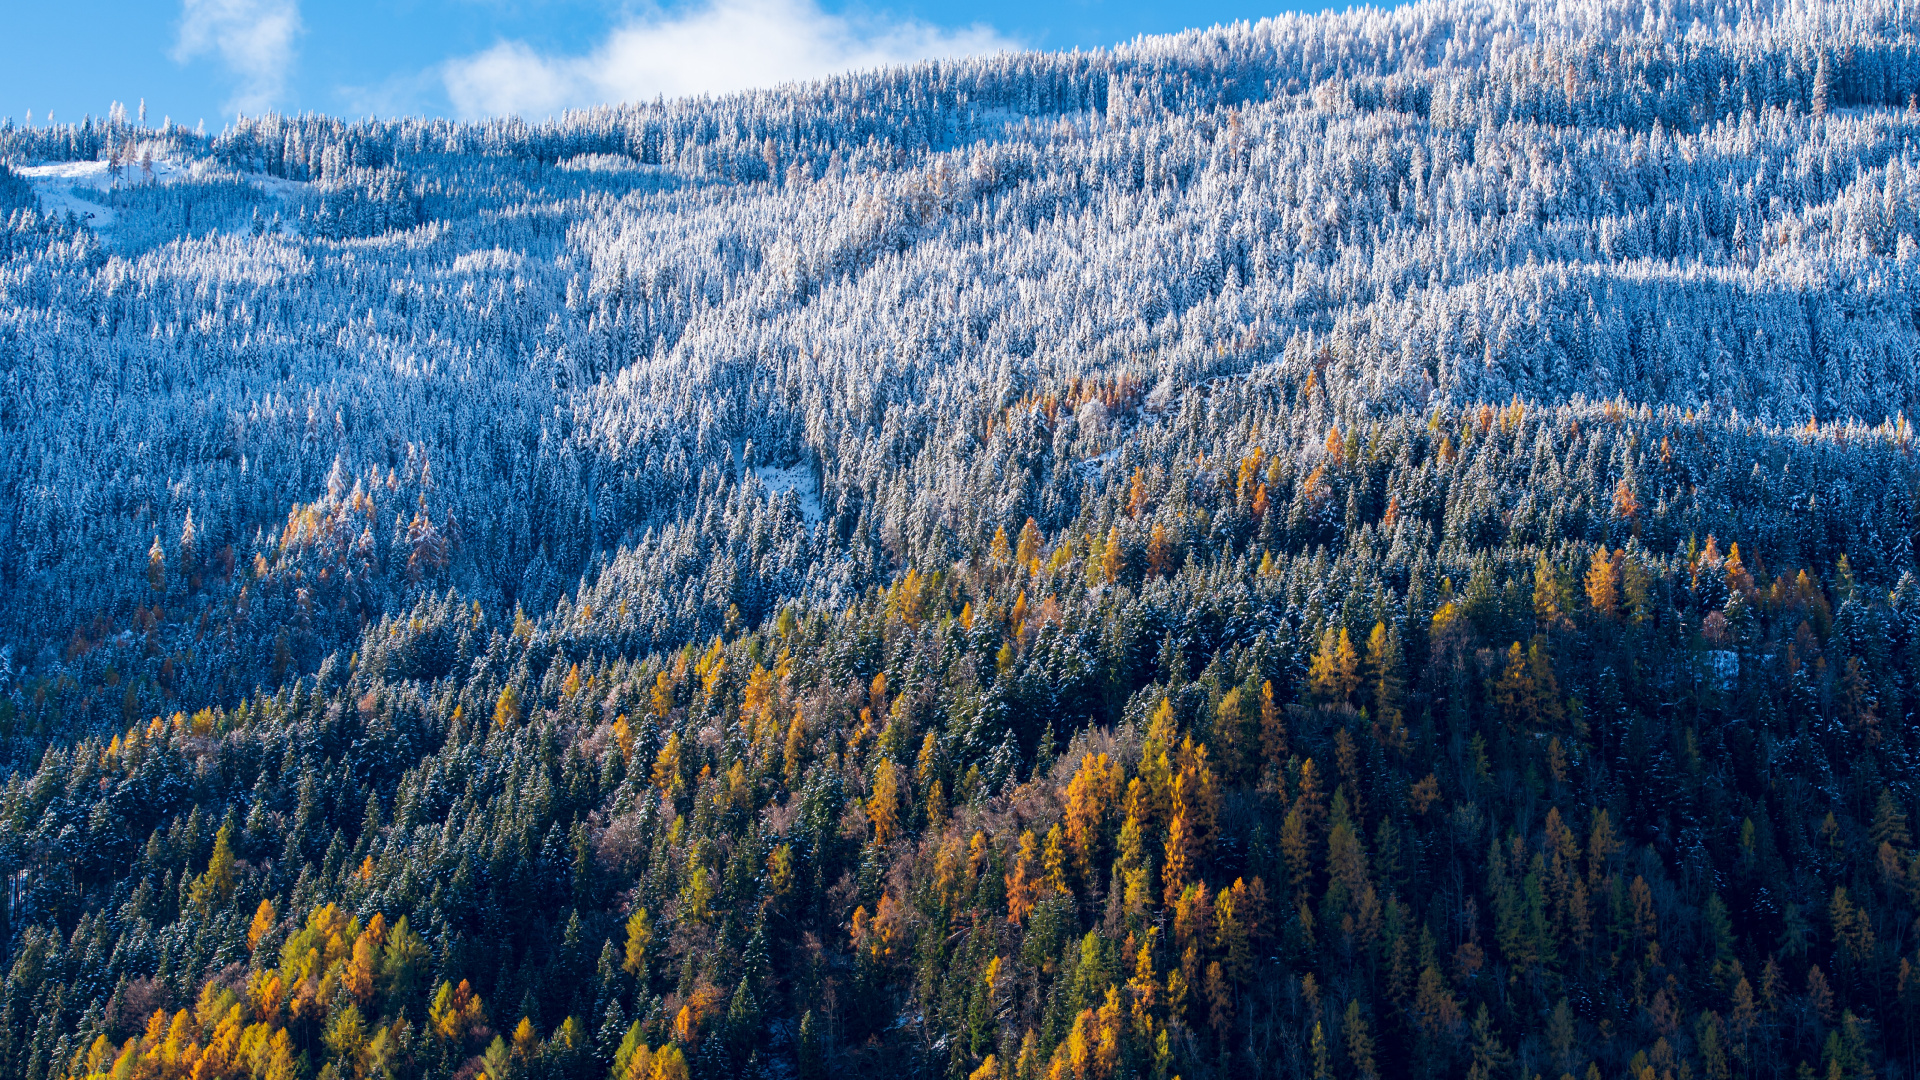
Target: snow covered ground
(61, 184)
(98, 174)
(277, 185)
(60, 201)
(55, 185)
(797, 479)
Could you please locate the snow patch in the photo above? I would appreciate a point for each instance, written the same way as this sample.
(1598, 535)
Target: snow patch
(61, 184)
(1098, 463)
(61, 201)
(1725, 665)
(795, 478)
(605, 163)
(493, 260)
(98, 174)
(277, 185)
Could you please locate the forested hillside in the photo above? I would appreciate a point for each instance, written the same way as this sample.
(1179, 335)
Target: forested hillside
(1365, 545)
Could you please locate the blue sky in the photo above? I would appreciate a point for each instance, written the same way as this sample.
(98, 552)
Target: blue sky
(206, 59)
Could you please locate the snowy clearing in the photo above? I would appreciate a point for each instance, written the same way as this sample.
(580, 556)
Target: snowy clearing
(59, 184)
(797, 479)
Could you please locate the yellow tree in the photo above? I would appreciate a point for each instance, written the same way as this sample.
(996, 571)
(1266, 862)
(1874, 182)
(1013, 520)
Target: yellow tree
(794, 757)
(1547, 608)
(1027, 552)
(1092, 794)
(1091, 1050)
(1512, 691)
(1273, 727)
(263, 920)
(216, 886)
(1626, 504)
(1053, 859)
(1525, 691)
(1335, 671)
(364, 965)
(883, 806)
(1249, 469)
(1113, 559)
(1178, 869)
(1234, 729)
(666, 767)
(639, 937)
(1603, 584)
(999, 552)
(1136, 498)
(1739, 581)
(506, 710)
(1024, 881)
(661, 699)
(1192, 918)
(908, 597)
(1190, 829)
(1159, 550)
(456, 1014)
(1131, 864)
(756, 704)
(634, 1060)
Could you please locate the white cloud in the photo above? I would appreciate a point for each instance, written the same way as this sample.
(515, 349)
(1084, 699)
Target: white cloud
(724, 46)
(253, 38)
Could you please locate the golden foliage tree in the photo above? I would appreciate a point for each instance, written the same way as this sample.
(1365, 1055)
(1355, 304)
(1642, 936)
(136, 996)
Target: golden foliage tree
(1335, 671)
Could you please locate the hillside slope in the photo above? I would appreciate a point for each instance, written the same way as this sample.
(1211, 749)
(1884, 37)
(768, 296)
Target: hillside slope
(1358, 545)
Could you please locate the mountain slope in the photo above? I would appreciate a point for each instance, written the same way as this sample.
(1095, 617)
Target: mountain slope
(1362, 544)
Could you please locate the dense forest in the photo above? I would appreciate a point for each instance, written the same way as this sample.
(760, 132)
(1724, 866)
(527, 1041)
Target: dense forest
(1361, 545)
